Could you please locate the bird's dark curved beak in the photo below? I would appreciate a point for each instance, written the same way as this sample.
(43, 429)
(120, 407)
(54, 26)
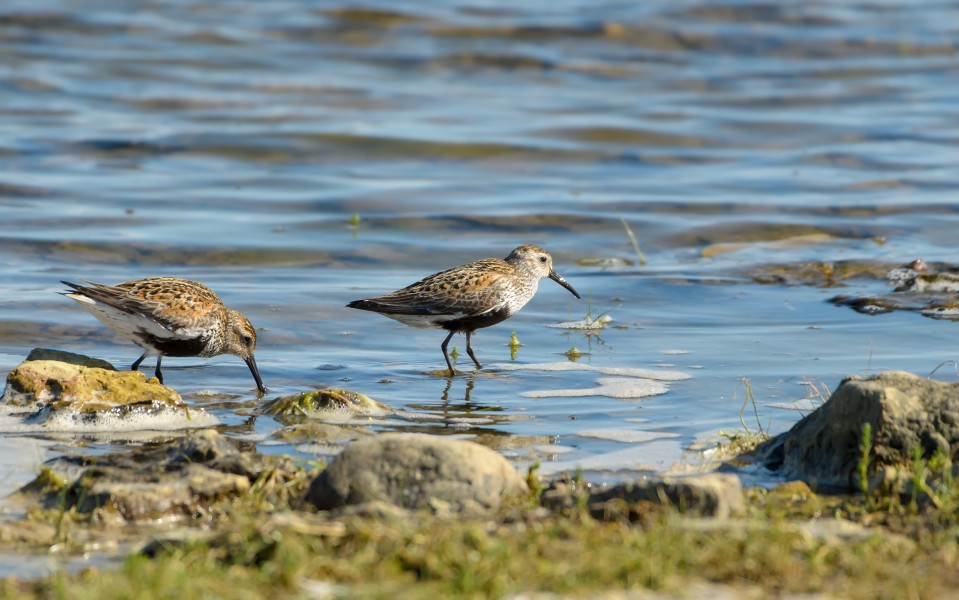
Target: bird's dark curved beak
(256, 373)
(559, 279)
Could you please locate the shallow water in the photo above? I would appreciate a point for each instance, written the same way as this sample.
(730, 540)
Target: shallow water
(294, 159)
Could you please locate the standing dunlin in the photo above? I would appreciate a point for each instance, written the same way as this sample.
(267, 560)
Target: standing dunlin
(168, 316)
(469, 297)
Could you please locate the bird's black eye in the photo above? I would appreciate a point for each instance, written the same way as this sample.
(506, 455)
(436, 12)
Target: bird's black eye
(247, 340)
(542, 259)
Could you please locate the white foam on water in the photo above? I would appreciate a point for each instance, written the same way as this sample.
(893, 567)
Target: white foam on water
(420, 417)
(469, 437)
(501, 418)
(626, 436)
(551, 449)
(940, 312)
(340, 414)
(469, 421)
(652, 456)
(612, 388)
(673, 352)
(256, 438)
(167, 419)
(587, 323)
(368, 422)
(265, 443)
(20, 461)
(803, 404)
(318, 449)
(616, 371)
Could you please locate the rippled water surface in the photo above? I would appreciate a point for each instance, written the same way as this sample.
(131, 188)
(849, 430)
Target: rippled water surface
(295, 157)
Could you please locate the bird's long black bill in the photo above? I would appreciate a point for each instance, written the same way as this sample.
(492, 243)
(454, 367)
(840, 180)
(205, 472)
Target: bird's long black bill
(559, 279)
(256, 374)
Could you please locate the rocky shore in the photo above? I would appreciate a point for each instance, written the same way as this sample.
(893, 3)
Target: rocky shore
(869, 500)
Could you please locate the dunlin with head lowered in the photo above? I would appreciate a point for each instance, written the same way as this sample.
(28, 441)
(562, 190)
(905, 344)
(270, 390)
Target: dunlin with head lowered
(469, 297)
(170, 317)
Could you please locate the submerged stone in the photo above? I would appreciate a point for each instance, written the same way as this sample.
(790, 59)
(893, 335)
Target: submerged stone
(815, 273)
(604, 262)
(787, 243)
(417, 471)
(931, 294)
(316, 432)
(319, 404)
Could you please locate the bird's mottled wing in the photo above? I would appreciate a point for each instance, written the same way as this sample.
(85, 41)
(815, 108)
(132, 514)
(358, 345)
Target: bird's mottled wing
(165, 307)
(470, 290)
(185, 302)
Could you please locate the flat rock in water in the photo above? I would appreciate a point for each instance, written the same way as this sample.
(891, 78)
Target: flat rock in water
(905, 411)
(631, 388)
(417, 471)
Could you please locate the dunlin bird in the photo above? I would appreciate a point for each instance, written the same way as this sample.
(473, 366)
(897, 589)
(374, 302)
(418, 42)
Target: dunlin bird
(168, 316)
(469, 297)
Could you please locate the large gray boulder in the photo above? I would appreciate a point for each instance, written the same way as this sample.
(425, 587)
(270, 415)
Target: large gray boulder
(904, 411)
(417, 471)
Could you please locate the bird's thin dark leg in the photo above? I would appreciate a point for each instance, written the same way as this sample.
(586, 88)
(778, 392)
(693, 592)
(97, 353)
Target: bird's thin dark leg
(469, 350)
(445, 355)
(158, 374)
(136, 363)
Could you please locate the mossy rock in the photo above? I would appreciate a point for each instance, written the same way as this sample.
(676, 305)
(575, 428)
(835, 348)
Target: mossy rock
(319, 404)
(65, 386)
(159, 482)
(905, 413)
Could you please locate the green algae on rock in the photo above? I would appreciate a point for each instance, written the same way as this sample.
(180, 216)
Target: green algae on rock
(161, 483)
(61, 385)
(319, 404)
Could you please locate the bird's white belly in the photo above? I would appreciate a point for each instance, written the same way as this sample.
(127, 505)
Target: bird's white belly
(131, 326)
(422, 321)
